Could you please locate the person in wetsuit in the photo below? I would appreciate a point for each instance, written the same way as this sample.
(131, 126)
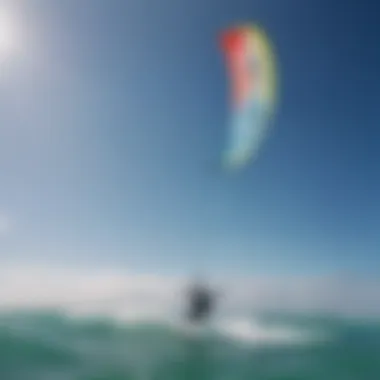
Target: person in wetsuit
(201, 303)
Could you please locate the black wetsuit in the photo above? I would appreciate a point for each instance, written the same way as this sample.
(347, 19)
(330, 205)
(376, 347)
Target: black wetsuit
(201, 304)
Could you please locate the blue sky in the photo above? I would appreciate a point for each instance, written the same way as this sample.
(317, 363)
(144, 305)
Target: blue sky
(113, 116)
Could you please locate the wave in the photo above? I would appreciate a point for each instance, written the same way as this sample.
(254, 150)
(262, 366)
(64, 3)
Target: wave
(259, 333)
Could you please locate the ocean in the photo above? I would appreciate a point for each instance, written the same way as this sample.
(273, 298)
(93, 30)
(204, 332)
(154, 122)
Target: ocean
(43, 345)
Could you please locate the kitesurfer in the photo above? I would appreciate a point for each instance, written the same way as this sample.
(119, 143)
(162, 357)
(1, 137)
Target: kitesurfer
(201, 303)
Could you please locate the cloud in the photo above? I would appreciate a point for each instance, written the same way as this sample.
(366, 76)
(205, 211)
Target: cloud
(131, 295)
(77, 291)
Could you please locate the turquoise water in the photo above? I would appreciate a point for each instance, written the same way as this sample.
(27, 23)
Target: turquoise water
(39, 346)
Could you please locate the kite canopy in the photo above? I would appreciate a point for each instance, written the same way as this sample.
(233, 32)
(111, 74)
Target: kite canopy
(251, 68)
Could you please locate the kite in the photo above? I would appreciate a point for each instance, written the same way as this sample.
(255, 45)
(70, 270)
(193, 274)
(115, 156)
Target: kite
(252, 72)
